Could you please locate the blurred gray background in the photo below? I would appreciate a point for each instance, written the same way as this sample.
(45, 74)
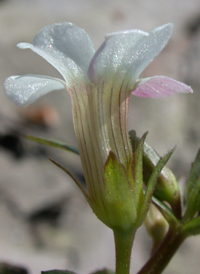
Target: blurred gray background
(45, 221)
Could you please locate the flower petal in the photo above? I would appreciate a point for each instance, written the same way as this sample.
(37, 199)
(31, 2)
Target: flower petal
(65, 46)
(24, 90)
(126, 54)
(160, 86)
(113, 54)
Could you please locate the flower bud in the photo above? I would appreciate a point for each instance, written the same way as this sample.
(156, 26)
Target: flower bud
(156, 226)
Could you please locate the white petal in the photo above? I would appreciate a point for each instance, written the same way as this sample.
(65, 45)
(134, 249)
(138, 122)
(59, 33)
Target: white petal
(125, 55)
(135, 32)
(160, 86)
(65, 46)
(110, 57)
(24, 90)
(148, 49)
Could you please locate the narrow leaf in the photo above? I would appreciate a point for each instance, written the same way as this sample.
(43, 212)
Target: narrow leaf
(52, 143)
(73, 178)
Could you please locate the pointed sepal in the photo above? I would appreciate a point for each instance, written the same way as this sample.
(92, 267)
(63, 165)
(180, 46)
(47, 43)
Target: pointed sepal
(152, 183)
(137, 171)
(167, 188)
(119, 197)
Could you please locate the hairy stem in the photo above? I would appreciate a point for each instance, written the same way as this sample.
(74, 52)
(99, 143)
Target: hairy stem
(164, 253)
(123, 247)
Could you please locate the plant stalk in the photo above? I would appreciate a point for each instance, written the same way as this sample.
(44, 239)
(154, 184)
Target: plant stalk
(164, 253)
(123, 248)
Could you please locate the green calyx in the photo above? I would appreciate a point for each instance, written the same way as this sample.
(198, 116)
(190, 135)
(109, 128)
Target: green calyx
(120, 207)
(125, 201)
(124, 197)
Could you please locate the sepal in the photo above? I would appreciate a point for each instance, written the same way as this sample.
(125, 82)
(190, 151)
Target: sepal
(119, 196)
(166, 188)
(137, 171)
(152, 183)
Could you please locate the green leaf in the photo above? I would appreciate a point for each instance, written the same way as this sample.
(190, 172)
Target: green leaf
(52, 143)
(57, 272)
(104, 271)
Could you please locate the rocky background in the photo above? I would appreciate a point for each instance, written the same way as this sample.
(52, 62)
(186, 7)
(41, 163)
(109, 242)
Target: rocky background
(45, 222)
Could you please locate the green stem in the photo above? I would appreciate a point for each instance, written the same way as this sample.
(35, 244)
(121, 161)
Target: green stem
(165, 252)
(123, 247)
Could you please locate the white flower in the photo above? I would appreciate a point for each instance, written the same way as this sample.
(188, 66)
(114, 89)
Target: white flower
(100, 84)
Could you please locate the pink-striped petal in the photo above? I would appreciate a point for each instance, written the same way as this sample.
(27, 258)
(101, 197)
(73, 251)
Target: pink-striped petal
(160, 86)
